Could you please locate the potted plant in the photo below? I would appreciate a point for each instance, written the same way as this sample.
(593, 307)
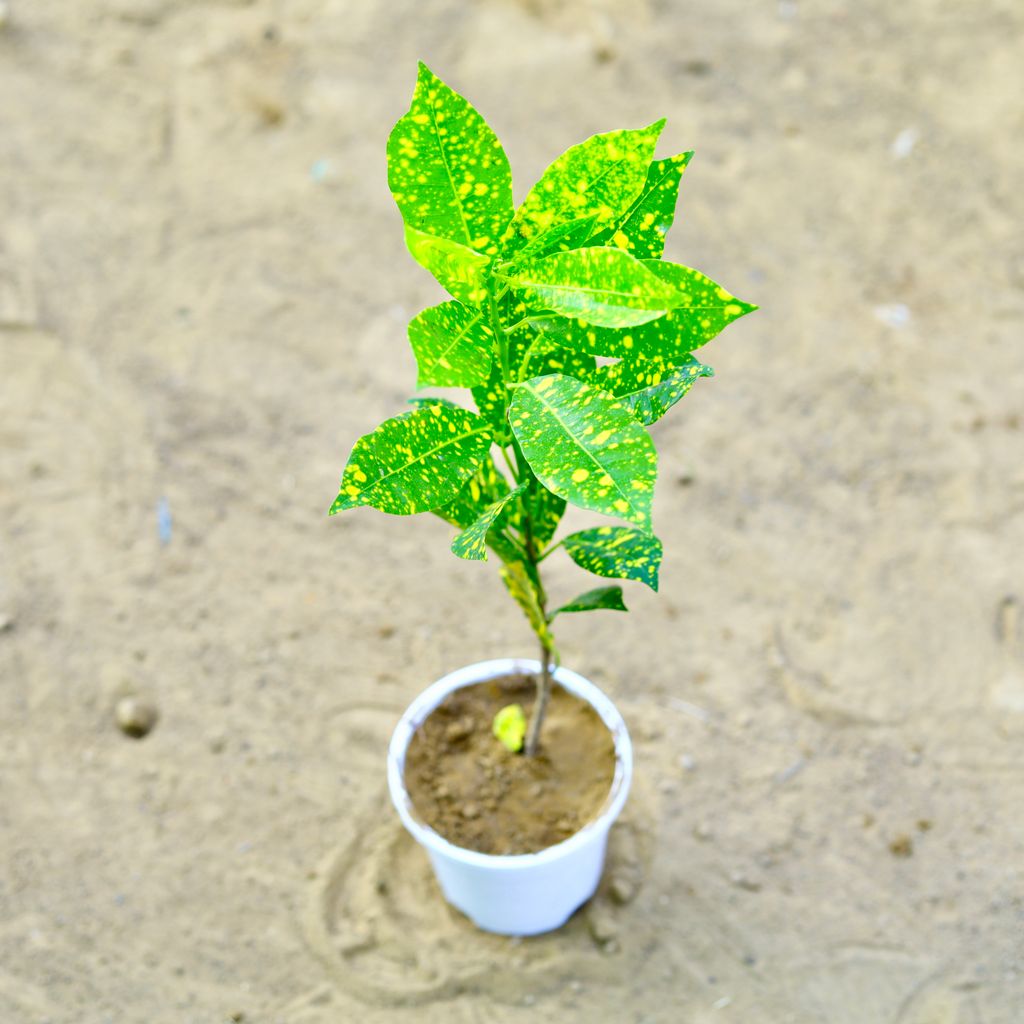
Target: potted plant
(573, 336)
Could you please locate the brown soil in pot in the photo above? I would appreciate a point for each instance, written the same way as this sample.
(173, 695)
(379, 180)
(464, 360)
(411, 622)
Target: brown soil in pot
(478, 795)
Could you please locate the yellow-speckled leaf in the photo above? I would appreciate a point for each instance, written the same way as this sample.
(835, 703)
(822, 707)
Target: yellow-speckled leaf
(517, 580)
(594, 600)
(599, 177)
(509, 727)
(447, 170)
(650, 385)
(706, 308)
(472, 542)
(452, 344)
(483, 487)
(414, 462)
(617, 551)
(641, 232)
(601, 285)
(458, 269)
(559, 238)
(586, 446)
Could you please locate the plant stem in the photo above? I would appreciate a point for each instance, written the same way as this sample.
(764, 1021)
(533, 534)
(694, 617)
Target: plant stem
(521, 472)
(541, 704)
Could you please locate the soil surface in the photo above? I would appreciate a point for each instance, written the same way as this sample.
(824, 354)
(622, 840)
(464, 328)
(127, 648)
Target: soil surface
(478, 795)
(204, 293)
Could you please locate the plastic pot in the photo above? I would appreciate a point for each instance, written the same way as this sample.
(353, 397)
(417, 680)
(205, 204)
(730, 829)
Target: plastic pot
(521, 894)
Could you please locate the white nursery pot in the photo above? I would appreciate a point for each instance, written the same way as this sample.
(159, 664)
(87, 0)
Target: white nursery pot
(520, 894)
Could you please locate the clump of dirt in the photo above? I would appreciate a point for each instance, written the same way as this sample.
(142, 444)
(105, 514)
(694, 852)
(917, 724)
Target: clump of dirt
(480, 796)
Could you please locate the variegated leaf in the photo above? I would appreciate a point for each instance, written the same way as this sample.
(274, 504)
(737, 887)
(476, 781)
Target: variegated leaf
(472, 542)
(545, 511)
(706, 309)
(651, 386)
(586, 446)
(414, 462)
(559, 238)
(453, 345)
(641, 232)
(601, 285)
(483, 487)
(617, 551)
(594, 600)
(517, 580)
(447, 170)
(600, 177)
(459, 270)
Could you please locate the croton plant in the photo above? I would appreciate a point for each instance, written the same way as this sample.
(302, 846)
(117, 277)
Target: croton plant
(571, 333)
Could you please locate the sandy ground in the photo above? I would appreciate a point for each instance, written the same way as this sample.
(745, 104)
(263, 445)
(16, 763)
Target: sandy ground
(203, 298)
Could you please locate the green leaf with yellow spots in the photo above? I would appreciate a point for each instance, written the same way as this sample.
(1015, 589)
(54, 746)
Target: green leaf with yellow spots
(472, 542)
(641, 232)
(534, 354)
(509, 727)
(483, 487)
(586, 446)
(601, 285)
(600, 177)
(651, 386)
(453, 345)
(460, 271)
(617, 551)
(559, 238)
(447, 170)
(705, 310)
(594, 600)
(544, 508)
(414, 462)
(516, 578)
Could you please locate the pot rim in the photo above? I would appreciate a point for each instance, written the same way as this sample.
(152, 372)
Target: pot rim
(480, 672)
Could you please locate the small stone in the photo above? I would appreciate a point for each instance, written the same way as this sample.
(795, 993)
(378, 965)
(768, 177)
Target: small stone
(217, 742)
(135, 716)
(622, 890)
(702, 831)
(902, 846)
(924, 824)
(687, 763)
(742, 881)
(602, 925)
(470, 811)
(459, 730)
(6, 622)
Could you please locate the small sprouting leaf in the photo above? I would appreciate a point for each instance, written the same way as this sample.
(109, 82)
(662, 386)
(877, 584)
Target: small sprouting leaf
(452, 344)
(600, 177)
(517, 579)
(458, 269)
(601, 285)
(706, 309)
(472, 542)
(651, 386)
(617, 551)
(593, 600)
(570, 235)
(641, 232)
(509, 727)
(414, 462)
(447, 170)
(586, 446)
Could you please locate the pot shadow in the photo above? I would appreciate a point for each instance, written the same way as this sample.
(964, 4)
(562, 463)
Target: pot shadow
(376, 918)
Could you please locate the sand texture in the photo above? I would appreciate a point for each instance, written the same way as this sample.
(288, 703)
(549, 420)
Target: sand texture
(203, 300)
